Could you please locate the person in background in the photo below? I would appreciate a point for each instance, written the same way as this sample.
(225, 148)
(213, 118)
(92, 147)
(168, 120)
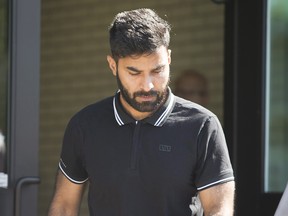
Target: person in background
(192, 85)
(143, 151)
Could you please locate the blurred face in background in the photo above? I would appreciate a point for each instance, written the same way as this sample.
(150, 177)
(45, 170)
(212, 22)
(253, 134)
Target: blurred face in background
(192, 86)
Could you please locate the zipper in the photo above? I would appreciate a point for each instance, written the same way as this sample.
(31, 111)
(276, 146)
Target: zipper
(135, 146)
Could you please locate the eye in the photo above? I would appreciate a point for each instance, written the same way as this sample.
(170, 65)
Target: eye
(158, 70)
(134, 73)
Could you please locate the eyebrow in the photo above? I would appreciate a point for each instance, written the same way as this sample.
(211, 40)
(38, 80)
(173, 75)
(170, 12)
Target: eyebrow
(131, 68)
(159, 67)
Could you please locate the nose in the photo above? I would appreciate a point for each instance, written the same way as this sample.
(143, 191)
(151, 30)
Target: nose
(147, 83)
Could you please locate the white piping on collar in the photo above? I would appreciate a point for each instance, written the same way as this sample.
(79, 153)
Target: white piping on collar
(117, 117)
(157, 123)
(166, 112)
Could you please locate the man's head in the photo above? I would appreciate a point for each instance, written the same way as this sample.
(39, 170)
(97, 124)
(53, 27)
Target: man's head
(137, 32)
(140, 60)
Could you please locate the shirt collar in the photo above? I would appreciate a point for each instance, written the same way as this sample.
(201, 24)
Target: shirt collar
(157, 119)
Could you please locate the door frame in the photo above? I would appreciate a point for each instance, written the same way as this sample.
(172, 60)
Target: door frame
(20, 198)
(244, 107)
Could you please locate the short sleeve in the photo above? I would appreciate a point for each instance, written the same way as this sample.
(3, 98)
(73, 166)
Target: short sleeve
(71, 162)
(213, 164)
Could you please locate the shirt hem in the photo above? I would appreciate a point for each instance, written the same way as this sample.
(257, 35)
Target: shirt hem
(216, 182)
(71, 179)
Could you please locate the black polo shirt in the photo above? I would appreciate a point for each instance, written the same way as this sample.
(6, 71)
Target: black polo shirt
(150, 167)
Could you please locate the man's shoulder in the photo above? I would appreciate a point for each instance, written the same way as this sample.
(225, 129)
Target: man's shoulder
(102, 107)
(188, 108)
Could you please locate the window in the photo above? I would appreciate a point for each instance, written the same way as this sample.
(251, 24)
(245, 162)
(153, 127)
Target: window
(276, 130)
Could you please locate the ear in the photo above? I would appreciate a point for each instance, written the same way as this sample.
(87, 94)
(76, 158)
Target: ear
(169, 56)
(112, 64)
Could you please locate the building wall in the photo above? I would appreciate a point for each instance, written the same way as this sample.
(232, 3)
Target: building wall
(74, 71)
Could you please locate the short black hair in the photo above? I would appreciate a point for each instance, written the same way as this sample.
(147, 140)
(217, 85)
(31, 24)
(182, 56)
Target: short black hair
(137, 32)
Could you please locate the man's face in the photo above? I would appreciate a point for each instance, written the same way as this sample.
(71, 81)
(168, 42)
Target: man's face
(143, 80)
(144, 105)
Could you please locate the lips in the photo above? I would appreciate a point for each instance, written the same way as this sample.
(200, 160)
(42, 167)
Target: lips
(147, 97)
(150, 96)
(145, 94)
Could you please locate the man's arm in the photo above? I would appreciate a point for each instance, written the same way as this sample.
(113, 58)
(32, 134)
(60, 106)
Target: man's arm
(67, 197)
(218, 200)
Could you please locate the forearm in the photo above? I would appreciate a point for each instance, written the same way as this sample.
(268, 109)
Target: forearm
(67, 197)
(61, 210)
(58, 212)
(220, 212)
(218, 200)
(224, 207)
(63, 207)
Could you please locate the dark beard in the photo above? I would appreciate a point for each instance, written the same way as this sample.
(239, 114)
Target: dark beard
(146, 106)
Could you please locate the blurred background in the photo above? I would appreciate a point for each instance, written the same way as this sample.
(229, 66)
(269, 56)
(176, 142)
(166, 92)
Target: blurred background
(53, 63)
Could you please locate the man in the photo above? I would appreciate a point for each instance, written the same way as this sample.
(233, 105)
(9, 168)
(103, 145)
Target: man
(144, 152)
(192, 86)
